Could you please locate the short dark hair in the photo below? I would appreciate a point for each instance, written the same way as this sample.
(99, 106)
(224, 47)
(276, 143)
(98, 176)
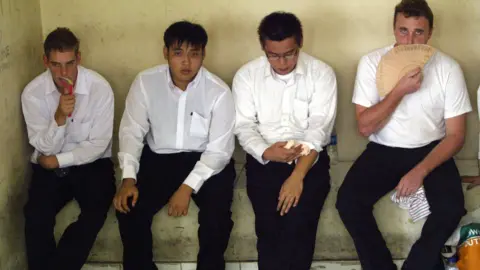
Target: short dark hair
(61, 39)
(278, 26)
(185, 32)
(414, 8)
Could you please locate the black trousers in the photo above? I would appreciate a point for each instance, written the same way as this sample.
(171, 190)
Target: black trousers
(288, 242)
(159, 177)
(378, 171)
(93, 187)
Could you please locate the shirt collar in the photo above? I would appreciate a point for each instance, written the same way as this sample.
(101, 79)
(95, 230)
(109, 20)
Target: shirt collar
(192, 84)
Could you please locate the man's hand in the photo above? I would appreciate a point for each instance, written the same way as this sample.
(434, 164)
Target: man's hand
(48, 162)
(473, 181)
(66, 105)
(277, 152)
(411, 182)
(410, 83)
(127, 190)
(290, 193)
(178, 204)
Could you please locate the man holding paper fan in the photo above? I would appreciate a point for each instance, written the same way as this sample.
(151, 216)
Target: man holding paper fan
(415, 128)
(68, 110)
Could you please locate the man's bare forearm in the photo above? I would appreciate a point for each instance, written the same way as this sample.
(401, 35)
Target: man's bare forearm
(374, 118)
(305, 163)
(445, 150)
(60, 118)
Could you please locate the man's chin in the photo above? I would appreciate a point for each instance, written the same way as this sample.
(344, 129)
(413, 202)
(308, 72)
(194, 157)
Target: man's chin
(283, 72)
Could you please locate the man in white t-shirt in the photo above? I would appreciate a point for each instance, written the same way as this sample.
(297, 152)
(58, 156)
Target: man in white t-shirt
(414, 133)
(282, 96)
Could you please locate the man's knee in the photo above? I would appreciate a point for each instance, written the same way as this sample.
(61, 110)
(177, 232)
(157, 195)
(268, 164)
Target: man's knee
(125, 219)
(345, 203)
(38, 214)
(93, 220)
(216, 218)
(449, 217)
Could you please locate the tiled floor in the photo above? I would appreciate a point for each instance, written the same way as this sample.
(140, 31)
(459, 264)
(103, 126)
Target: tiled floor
(235, 266)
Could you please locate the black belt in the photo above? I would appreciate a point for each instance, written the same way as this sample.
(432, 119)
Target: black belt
(62, 172)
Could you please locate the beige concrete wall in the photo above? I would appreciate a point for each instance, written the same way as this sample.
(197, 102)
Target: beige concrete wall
(120, 38)
(20, 61)
(123, 38)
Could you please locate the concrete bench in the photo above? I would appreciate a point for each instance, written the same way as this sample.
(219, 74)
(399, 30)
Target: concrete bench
(175, 239)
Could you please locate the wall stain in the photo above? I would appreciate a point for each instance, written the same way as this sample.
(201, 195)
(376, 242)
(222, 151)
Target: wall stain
(4, 55)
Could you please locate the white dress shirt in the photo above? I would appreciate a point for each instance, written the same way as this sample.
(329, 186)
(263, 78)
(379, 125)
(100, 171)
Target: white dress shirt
(199, 119)
(272, 108)
(420, 117)
(86, 135)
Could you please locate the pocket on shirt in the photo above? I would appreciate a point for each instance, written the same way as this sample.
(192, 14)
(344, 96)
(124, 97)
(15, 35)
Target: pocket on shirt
(199, 126)
(79, 132)
(300, 112)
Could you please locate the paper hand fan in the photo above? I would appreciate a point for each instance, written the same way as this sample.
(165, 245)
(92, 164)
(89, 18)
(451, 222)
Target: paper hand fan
(398, 62)
(68, 84)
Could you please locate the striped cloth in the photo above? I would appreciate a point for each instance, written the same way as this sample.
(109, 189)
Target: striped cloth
(416, 204)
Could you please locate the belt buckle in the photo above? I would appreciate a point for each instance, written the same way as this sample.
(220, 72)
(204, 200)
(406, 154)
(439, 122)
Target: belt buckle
(62, 172)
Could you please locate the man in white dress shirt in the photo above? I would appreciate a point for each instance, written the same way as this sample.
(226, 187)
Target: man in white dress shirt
(186, 116)
(414, 133)
(282, 96)
(71, 135)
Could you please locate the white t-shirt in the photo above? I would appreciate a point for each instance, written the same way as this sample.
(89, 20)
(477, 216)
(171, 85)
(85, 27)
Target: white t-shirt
(284, 78)
(420, 117)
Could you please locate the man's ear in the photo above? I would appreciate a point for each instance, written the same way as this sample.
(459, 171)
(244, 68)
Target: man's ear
(430, 34)
(165, 53)
(45, 61)
(79, 57)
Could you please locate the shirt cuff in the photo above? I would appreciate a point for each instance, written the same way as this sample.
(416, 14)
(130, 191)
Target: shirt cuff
(129, 172)
(65, 159)
(194, 181)
(258, 151)
(312, 146)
